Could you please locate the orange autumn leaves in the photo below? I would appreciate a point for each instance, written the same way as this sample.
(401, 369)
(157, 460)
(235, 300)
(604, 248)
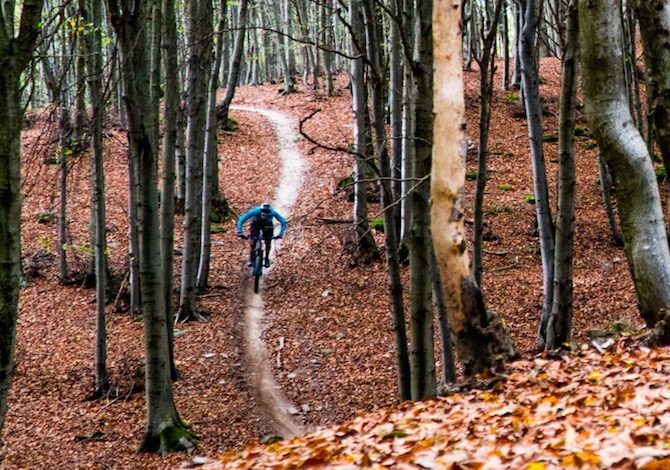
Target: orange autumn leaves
(582, 411)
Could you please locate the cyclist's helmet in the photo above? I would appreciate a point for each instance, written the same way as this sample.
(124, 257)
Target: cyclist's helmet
(265, 210)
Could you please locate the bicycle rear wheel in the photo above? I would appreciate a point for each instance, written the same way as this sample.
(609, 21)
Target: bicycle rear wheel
(258, 270)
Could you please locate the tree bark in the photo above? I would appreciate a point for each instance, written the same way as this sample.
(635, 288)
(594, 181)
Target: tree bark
(608, 111)
(531, 91)
(199, 70)
(422, 350)
(15, 53)
(211, 161)
(365, 244)
(481, 338)
(165, 430)
(560, 320)
(236, 59)
(169, 153)
(654, 18)
(486, 74)
(91, 12)
(372, 26)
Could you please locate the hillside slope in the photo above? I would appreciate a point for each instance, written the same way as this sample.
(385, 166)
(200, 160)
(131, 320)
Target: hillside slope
(328, 330)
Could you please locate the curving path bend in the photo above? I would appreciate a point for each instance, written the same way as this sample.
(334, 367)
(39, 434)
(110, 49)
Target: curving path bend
(293, 169)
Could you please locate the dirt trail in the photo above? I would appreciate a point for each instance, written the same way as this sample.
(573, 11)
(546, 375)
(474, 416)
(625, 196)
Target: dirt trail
(293, 168)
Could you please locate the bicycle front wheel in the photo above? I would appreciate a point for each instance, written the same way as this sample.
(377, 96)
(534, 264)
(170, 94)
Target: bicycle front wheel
(258, 270)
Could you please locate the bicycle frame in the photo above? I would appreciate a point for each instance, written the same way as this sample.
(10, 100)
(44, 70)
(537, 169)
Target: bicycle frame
(257, 260)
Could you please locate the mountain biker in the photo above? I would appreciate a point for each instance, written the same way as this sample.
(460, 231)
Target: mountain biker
(262, 220)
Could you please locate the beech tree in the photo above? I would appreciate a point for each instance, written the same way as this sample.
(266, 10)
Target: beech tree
(530, 83)
(481, 338)
(19, 30)
(199, 63)
(165, 430)
(624, 149)
(560, 319)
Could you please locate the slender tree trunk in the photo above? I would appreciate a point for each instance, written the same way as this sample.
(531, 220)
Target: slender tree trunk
(505, 44)
(645, 241)
(422, 354)
(365, 244)
(560, 321)
(91, 12)
(531, 91)
(327, 41)
(169, 143)
(606, 190)
(211, 162)
(372, 26)
(481, 339)
(199, 71)
(518, 27)
(654, 20)
(408, 127)
(395, 111)
(486, 74)
(444, 333)
(236, 60)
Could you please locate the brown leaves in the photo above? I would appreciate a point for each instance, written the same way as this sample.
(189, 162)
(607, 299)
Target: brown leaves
(584, 411)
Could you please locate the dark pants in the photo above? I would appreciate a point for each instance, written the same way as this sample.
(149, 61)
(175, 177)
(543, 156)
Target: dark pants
(266, 233)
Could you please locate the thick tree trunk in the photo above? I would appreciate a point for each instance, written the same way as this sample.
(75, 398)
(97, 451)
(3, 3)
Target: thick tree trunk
(645, 241)
(560, 320)
(481, 339)
(14, 57)
(165, 430)
(531, 91)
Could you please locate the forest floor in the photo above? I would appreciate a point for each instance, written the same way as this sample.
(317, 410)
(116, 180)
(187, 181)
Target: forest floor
(327, 328)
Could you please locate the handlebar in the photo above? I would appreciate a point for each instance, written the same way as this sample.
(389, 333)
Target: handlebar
(246, 237)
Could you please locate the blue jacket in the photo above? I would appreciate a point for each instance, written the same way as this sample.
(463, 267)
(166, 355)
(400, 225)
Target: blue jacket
(255, 215)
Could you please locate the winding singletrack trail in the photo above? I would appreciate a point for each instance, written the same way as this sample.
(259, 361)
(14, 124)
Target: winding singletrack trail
(292, 174)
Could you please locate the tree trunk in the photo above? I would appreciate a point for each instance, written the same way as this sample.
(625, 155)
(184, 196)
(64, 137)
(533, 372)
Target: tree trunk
(645, 241)
(486, 75)
(211, 161)
(481, 339)
(169, 152)
(15, 57)
(531, 91)
(91, 12)
(654, 17)
(372, 26)
(560, 320)
(236, 60)
(165, 430)
(606, 190)
(422, 354)
(444, 333)
(199, 71)
(365, 244)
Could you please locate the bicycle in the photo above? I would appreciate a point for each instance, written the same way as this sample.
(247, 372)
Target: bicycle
(257, 255)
